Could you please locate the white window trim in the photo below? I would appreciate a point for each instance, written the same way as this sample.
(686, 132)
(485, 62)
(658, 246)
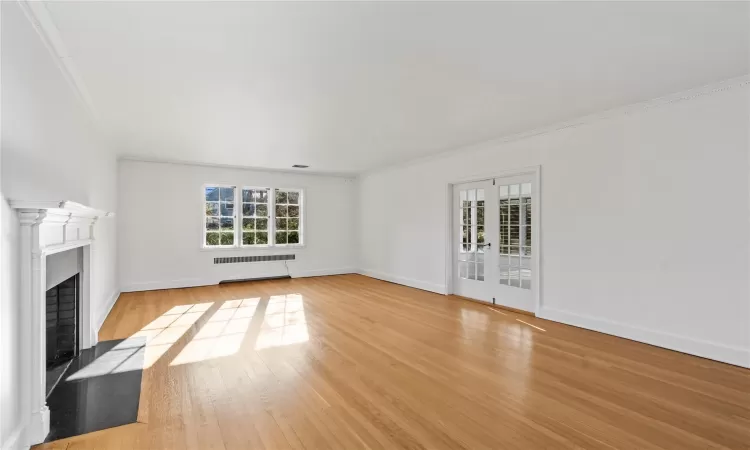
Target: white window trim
(238, 219)
(301, 217)
(204, 230)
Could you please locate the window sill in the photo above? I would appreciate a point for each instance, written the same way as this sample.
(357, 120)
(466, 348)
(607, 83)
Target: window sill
(250, 248)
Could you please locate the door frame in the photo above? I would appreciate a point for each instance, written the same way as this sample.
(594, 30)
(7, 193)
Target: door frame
(450, 252)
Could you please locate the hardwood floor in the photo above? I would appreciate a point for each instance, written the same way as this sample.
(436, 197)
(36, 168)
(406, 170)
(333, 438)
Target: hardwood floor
(348, 362)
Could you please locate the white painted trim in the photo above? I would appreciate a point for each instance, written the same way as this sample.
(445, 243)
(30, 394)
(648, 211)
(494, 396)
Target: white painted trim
(107, 309)
(731, 355)
(42, 22)
(134, 158)
(322, 272)
(15, 440)
(536, 244)
(634, 108)
(410, 282)
(195, 282)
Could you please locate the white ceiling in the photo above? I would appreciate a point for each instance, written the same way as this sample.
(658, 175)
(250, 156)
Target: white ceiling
(348, 87)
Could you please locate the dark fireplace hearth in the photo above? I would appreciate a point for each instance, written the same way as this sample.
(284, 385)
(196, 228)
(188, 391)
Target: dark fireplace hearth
(62, 328)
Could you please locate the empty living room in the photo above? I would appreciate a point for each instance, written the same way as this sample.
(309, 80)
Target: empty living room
(374, 225)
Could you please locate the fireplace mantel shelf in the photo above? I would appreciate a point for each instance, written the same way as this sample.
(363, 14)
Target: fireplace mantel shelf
(60, 207)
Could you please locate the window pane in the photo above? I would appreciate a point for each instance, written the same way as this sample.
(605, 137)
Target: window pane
(261, 224)
(527, 236)
(281, 210)
(515, 215)
(526, 251)
(281, 197)
(212, 208)
(248, 209)
(292, 224)
(527, 212)
(503, 191)
(480, 235)
(281, 224)
(480, 272)
(504, 235)
(261, 238)
(212, 194)
(513, 249)
(293, 198)
(293, 237)
(281, 237)
(504, 250)
(463, 270)
(294, 211)
(526, 189)
(480, 216)
(227, 238)
(515, 236)
(514, 190)
(261, 210)
(248, 238)
(247, 195)
(227, 209)
(261, 195)
(227, 224)
(212, 223)
(212, 238)
(227, 194)
(248, 224)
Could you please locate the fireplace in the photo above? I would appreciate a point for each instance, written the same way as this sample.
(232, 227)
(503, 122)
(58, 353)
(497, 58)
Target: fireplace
(62, 340)
(49, 229)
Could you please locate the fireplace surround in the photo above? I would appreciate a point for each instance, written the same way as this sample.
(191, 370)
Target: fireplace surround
(48, 228)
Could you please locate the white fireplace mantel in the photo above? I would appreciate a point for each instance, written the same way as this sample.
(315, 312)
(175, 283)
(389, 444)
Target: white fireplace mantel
(49, 227)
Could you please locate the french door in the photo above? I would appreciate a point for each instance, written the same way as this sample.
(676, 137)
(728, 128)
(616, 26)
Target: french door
(493, 241)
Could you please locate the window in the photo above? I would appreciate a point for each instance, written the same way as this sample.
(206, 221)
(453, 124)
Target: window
(219, 218)
(263, 217)
(255, 216)
(287, 209)
(515, 235)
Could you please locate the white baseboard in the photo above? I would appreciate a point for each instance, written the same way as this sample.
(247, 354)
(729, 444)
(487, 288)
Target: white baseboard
(107, 309)
(423, 285)
(15, 440)
(322, 272)
(195, 282)
(169, 284)
(706, 349)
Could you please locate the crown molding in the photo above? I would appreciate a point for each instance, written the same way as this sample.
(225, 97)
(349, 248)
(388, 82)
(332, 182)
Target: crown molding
(633, 108)
(42, 22)
(238, 167)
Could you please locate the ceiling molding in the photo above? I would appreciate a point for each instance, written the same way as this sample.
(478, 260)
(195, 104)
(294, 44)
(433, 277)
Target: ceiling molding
(42, 21)
(238, 167)
(635, 108)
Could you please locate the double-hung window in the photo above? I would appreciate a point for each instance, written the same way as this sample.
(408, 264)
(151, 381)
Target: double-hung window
(252, 217)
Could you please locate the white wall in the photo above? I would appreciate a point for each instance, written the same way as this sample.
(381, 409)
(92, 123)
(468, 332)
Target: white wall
(50, 151)
(161, 224)
(644, 216)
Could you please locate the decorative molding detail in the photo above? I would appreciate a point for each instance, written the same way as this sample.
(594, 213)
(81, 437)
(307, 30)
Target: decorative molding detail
(705, 349)
(634, 108)
(42, 22)
(431, 287)
(48, 228)
(14, 440)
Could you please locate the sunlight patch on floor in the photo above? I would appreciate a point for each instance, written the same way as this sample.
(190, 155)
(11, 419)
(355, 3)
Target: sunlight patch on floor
(142, 349)
(222, 335)
(284, 322)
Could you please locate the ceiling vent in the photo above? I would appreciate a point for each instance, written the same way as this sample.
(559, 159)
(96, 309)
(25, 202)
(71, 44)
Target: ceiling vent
(300, 166)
